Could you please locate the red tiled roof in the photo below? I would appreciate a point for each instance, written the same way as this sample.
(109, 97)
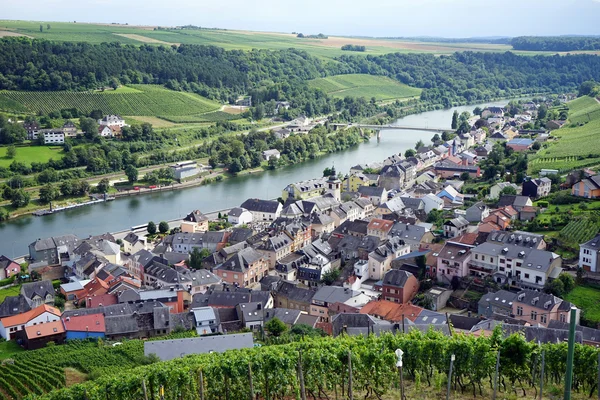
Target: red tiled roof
(380, 224)
(391, 311)
(21, 319)
(83, 323)
(45, 329)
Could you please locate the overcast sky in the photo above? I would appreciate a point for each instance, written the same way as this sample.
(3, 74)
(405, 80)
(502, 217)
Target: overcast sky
(447, 18)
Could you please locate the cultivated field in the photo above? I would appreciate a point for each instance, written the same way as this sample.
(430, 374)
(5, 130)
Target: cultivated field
(231, 39)
(145, 100)
(215, 116)
(578, 143)
(586, 298)
(27, 154)
(361, 85)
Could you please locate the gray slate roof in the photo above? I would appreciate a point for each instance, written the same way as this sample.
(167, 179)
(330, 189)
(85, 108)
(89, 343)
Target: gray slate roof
(41, 288)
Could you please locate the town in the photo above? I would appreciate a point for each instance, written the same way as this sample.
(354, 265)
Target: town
(439, 237)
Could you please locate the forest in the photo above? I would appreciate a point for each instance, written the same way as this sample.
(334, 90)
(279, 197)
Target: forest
(38, 65)
(555, 43)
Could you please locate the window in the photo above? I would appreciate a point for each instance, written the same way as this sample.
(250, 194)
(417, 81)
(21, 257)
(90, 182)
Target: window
(235, 276)
(224, 274)
(519, 310)
(477, 256)
(563, 318)
(534, 315)
(502, 261)
(491, 259)
(543, 318)
(526, 276)
(482, 258)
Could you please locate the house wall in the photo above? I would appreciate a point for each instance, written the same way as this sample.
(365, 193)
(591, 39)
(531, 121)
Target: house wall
(579, 190)
(447, 269)
(588, 259)
(6, 333)
(82, 335)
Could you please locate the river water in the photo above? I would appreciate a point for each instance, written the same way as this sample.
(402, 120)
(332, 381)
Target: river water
(123, 213)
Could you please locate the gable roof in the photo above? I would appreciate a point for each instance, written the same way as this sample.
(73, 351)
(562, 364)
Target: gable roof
(45, 329)
(264, 206)
(22, 319)
(85, 323)
(33, 289)
(196, 216)
(391, 311)
(396, 277)
(13, 305)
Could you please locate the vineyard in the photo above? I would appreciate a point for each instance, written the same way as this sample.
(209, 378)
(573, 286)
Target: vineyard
(273, 372)
(579, 230)
(145, 100)
(563, 165)
(41, 371)
(361, 85)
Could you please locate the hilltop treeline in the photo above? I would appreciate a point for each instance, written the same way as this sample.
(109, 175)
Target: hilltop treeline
(281, 75)
(470, 77)
(40, 65)
(555, 43)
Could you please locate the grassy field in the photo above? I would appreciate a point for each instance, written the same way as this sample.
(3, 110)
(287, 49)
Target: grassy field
(215, 116)
(7, 349)
(11, 291)
(231, 39)
(588, 299)
(578, 144)
(143, 100)
(361, 85)
(28, 154)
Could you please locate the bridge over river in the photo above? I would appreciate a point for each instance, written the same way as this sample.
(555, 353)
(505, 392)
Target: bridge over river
(397, 127)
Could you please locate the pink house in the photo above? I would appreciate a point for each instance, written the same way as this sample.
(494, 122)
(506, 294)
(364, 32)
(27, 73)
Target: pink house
(8, 267)
(538, 308)
(453, 261)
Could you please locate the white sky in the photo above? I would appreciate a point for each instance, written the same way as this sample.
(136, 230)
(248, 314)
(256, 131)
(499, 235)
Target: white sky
(446, 18)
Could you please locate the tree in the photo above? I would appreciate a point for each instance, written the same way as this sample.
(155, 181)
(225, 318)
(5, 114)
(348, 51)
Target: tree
(409, 153)
(273, 161)
(89, 127)
(132, 173)
(454, 120)
(275, 327)
(41, 28)
(419, 144)
(235, 166)
(103, 185)
(330, 277)
(47, 27)
(163, 227)
(67, 188)
(328, 171)
(464, 176)
(196, 257)
(542, 112)
(555, 287)
(11, 151)
(20, 198)
(568, 281)
(48, 193)
(436, 138)
(510, 190)
(477, 111)
(151, 228)
(536, 146)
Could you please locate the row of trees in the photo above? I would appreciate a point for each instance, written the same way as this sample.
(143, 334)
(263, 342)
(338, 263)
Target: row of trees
(353, 47)
(555, 43)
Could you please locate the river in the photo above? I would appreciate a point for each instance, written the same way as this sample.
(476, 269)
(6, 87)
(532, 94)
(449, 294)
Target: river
(126, 212)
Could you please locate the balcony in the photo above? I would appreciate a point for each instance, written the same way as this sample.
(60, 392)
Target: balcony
(481, 266)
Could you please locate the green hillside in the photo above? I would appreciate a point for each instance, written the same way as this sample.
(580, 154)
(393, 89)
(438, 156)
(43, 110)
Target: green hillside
(143, 100)
(362, 85)
(578, 143)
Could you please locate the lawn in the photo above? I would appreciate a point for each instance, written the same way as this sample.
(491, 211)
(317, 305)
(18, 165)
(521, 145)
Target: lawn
(7, 349)
(11, 291)
(141, 100)
(586, 298)
(361, 85)
(578, 143)
(27, 154)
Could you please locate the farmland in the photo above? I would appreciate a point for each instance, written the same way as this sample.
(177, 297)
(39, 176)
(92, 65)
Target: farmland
(215, 116)
(579, 230)
(361, 85)
(27, 154)
(143, 100)
(586, 298)
(578, 143)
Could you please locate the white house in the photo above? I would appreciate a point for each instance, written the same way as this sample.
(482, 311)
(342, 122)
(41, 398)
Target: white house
(112, 120)
(54, 137)
(589, 253)
(263, 210)
(432, 202)
(496, 189)
(105, 131)
(267, 154)
(9, 326)
(132, 243)
(239, 216)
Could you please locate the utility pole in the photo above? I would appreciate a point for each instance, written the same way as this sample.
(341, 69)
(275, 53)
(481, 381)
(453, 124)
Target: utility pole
(496, 375)
(452, 358)
(542, 373)
(570, 355)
